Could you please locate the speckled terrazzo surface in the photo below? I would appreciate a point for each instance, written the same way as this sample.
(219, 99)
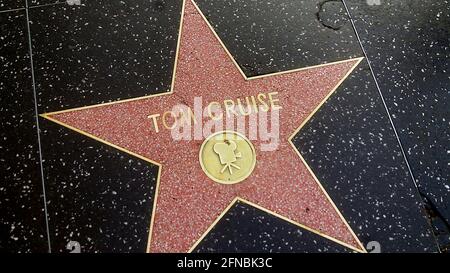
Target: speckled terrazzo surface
(105, 51)
(22, 220)
(109, 201)
(354, 139)
(281, 35)
(110, 50)
(410, 57)
(12, 4)
(34, 3)
(246, 229)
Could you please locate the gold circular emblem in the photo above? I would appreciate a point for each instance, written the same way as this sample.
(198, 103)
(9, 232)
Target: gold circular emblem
(227, 157)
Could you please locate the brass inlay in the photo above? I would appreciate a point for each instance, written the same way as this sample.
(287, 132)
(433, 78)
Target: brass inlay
(227, 157)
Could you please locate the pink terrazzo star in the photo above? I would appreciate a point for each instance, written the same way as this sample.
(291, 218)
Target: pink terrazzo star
(188, 202)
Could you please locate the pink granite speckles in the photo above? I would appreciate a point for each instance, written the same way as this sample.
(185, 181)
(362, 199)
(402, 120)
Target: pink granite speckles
(188, 202)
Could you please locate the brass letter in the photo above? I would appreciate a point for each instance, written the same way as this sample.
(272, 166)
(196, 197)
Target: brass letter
(273, 101)
(155, 123)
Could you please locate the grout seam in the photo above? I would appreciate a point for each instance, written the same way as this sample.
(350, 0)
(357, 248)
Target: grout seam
(32, 7)
(30, 50)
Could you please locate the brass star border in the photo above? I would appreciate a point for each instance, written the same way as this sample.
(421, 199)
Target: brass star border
(237, 199)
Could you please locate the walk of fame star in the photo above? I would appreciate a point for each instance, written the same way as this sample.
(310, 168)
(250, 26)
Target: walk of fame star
(188, 203)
